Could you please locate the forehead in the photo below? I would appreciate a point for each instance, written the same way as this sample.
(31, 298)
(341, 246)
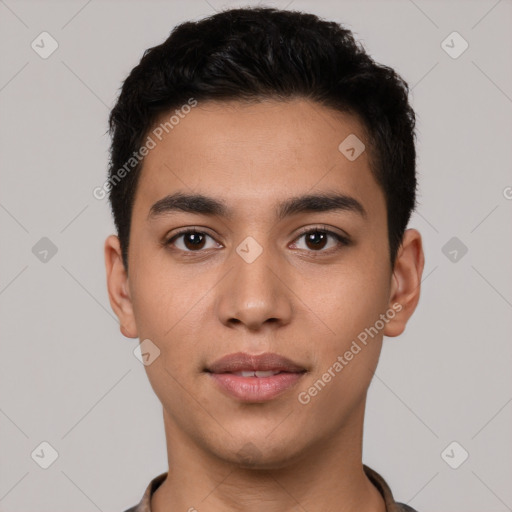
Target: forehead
(258, 153)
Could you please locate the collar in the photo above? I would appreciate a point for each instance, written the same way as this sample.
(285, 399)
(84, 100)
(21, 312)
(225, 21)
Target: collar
(377, 480)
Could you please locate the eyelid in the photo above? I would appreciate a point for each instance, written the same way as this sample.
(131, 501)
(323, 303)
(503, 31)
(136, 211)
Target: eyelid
(324, 228)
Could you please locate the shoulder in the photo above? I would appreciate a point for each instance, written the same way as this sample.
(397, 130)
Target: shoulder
(402, 507)
(381, 484)
(144, 504)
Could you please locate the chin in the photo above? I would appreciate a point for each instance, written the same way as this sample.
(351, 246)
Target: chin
(260, 453)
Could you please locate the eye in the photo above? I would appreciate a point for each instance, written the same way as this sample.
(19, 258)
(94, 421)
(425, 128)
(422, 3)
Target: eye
(316, 240)
(193, 240)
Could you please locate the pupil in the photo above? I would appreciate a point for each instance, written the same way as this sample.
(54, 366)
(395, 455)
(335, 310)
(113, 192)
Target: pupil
(313, 237)
(194, 239)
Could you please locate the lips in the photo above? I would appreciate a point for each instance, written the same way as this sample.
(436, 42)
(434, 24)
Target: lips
(255, 364)
(256, 379)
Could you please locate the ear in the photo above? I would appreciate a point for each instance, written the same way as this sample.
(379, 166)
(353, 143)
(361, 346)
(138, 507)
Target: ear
(406, 282)
(118, 289)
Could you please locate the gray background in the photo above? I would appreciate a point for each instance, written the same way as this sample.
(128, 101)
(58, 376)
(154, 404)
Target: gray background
(68, 377)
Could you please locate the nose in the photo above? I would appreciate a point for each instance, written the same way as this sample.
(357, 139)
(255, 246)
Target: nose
(255, 293)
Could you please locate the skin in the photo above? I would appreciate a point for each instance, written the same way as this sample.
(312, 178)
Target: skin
(305, 302)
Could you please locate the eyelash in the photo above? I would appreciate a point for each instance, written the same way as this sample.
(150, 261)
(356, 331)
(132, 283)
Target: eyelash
(342, 240)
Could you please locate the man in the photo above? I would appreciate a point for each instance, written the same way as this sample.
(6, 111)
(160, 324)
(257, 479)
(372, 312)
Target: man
(262, 177)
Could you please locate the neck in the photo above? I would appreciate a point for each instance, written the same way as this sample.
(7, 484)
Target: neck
(325, 477)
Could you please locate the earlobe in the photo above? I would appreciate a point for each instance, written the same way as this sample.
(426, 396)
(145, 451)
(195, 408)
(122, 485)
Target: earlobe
(406, 282)
(118, 289)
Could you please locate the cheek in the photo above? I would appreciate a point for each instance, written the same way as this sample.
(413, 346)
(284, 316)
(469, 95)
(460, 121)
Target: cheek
(350, 303)
(348, 299)
(164, 310)
(161, 296)
(151, 310)
(167, 305)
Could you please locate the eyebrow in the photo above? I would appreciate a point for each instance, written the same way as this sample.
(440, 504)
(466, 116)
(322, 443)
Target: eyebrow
(204, 205)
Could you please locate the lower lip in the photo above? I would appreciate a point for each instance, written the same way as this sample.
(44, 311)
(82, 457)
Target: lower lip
(255, 389)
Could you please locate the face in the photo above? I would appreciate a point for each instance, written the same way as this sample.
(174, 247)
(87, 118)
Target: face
(254, 267)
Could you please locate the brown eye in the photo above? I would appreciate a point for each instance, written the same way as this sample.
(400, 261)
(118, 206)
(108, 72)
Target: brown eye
(193, 241)
(317, 239)
(190, 240)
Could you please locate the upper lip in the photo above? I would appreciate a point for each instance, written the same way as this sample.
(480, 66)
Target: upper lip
(241, 361)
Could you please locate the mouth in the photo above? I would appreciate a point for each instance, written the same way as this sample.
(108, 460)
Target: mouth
(258, 373)
(255, 378)
(242, 362)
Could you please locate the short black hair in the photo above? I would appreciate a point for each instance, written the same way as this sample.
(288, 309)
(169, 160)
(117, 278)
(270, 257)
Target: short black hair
(253, 54)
